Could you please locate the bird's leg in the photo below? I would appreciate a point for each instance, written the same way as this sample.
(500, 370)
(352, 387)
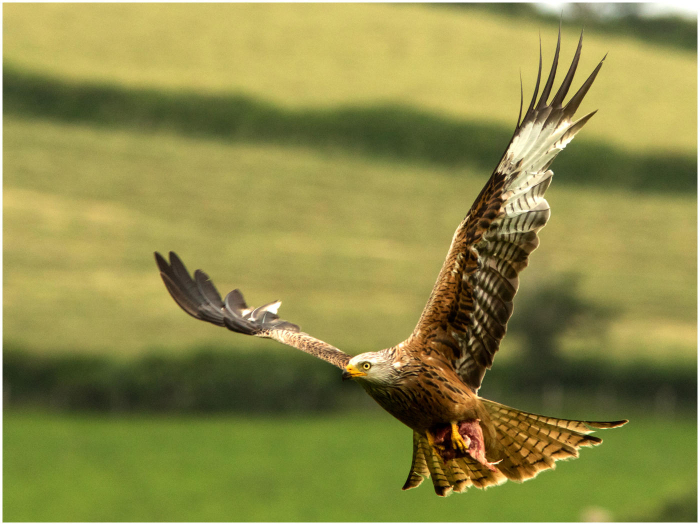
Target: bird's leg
(431, 441)
(459, 443)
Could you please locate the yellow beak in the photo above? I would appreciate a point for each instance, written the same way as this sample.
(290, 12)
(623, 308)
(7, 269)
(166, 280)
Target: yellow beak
(351, 372)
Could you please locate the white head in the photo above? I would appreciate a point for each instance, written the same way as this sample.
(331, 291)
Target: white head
(373, 367)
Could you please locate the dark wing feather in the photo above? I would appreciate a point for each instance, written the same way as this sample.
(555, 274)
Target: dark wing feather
(200, 298)
(466, 316)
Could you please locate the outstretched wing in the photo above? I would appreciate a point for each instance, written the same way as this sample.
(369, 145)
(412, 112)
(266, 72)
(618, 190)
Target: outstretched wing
(472, 300)
(199, 298)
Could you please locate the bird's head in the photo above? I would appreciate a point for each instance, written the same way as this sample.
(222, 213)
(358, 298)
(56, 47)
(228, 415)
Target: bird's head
(373, 367)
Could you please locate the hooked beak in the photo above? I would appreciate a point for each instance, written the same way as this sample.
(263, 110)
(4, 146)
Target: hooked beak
(351, 372)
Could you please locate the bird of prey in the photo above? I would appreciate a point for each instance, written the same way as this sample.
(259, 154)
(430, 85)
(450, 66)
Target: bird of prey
(430, 381)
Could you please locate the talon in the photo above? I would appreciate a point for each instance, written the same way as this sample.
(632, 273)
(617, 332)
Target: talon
(458, 441)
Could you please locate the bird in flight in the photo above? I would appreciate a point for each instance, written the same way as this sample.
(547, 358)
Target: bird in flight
(430, 381)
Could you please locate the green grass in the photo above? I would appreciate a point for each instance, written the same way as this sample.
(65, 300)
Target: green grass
(386, 130)
(344, 241)
(349, 468)
(461, 64)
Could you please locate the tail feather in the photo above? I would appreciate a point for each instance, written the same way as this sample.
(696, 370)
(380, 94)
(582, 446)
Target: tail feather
(456, 475)
(531, 443)
(583, 427)
(538, 439)
(520, 459)
(480, 476)
(419, 467)
(442, 486)
(524, 444)
(460, 479)
(528, 452)
(512, 466)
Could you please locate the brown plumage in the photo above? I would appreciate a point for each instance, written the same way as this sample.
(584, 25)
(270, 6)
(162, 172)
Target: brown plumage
(430, 381)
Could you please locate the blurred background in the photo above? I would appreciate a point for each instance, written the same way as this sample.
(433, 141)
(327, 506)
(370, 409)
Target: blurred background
(323, 155)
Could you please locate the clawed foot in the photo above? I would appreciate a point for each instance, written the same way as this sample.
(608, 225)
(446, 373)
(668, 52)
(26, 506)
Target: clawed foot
(460, 439)
(459, 442)
(448, 442)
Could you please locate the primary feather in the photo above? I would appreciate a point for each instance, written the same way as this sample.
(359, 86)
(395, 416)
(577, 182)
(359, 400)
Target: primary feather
(466, 316)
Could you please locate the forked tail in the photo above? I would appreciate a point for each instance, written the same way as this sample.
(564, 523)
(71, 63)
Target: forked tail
(524, 444)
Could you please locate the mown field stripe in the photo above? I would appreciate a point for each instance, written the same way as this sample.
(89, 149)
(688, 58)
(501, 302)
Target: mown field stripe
(384, 130)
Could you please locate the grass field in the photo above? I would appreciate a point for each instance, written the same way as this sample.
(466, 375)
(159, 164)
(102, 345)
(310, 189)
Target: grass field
(346, 240)
(457, 63)
(88, 468)
(85, 207)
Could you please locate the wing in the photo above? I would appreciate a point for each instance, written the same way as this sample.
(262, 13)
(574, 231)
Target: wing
(199, 298)
(472, 300)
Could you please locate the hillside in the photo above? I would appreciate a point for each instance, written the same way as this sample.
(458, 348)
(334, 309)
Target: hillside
(336, 183)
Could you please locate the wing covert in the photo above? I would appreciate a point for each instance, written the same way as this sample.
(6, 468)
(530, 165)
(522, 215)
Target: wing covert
(467, 312)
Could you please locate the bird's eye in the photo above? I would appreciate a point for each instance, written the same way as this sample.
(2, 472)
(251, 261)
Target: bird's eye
(366, 365)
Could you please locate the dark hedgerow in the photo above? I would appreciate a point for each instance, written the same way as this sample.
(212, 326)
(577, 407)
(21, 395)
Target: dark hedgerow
(382, 130)
(232, 380)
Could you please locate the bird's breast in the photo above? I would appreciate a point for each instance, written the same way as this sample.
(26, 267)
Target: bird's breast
(422, 401)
